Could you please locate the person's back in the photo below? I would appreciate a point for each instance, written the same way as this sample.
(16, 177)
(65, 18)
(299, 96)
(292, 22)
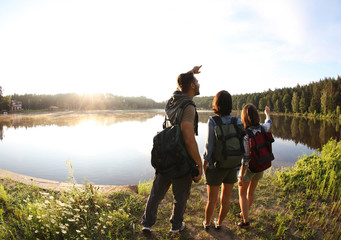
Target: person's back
(219, 173)
(248, 180)
(188, 87)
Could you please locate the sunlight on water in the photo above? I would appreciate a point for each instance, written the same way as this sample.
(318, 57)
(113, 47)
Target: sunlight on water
(113, 147)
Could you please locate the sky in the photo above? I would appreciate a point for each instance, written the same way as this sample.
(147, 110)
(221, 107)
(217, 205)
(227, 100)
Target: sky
(139, 47)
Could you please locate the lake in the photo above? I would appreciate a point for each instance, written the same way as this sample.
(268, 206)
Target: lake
(113, 147)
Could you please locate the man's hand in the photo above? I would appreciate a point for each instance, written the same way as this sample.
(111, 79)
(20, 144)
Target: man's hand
(196, 69)
(197, 178)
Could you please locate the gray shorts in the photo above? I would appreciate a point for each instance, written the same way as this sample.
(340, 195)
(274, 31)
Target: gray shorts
(248, 176)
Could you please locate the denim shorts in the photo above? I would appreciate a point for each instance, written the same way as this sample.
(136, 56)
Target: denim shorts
(217, 176)
(248, 176)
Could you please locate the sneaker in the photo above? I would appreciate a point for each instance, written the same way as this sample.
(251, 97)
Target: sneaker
(206, 227)
(146, 229)
(243, 224)
(216, 226)
(239, 215)
(180, 229)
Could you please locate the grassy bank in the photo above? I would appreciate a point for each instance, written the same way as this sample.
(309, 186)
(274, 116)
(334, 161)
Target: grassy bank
(302, 202)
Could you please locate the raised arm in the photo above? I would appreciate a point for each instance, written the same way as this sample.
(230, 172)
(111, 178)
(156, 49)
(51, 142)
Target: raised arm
(196, 69)
(267, 123)
(267, 112)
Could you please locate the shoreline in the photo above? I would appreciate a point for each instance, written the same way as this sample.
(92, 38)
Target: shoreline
(61, 186)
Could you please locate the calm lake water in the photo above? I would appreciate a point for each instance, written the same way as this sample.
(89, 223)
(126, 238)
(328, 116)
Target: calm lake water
(113, 147)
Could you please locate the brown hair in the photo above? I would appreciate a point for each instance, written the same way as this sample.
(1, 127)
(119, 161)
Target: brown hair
(249, 116)
(222, 103)
(185, 80)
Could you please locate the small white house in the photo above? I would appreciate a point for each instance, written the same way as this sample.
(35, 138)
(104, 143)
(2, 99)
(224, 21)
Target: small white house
(16, 105)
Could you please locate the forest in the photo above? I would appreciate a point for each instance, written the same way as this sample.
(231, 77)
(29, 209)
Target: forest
(72, 101)
(322, 97)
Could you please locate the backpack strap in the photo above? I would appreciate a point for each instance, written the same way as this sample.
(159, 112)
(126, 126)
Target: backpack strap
(267, 141)
(179, 116)
(240, 133)
(223, 138)
(251, 135)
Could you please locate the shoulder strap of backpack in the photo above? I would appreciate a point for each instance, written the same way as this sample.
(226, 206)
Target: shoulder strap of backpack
(217, 120)
(181, 110)
(219, 123)
(267, 141)
(240, 133)
(250, 133)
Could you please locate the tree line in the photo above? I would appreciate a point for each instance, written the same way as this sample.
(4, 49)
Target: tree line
(72, 101)
(323, 97)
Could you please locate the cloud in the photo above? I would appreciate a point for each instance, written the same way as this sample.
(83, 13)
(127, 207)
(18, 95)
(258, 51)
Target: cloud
(139, 47)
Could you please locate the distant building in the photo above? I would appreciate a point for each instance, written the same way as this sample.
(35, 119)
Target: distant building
(16, 105)
(53, 108)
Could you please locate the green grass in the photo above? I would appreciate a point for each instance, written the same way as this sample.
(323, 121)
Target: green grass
(302, 202)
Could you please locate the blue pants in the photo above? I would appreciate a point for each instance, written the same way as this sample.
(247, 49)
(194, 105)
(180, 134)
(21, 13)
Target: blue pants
(181, 188)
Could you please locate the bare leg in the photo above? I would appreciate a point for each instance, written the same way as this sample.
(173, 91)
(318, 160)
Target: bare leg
(212, 192)
(243, 201)
(225, 202)
(251, 191)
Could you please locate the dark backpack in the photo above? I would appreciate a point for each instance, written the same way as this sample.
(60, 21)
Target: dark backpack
(229, 148)
(169, 155)
(260, 150)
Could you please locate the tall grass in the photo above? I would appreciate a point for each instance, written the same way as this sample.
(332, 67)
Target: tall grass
(27, 212)
(313, 190)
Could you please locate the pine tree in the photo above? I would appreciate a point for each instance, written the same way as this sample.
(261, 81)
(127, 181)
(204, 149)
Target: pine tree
(295, 103)
(303, 105)
(287, 103)
(324, 99)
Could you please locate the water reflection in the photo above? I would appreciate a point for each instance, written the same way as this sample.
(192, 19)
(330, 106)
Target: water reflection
(313, 133)
(113, 147)
(310, 132)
